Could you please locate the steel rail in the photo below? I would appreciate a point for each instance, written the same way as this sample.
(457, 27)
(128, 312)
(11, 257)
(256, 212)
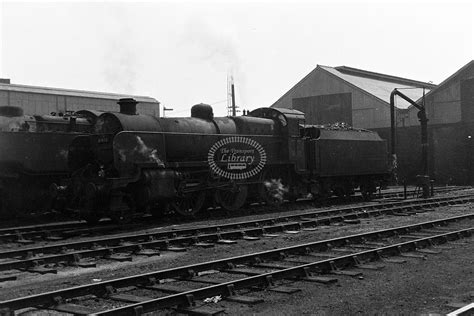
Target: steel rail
(28, 257)
(102, 288)
(214, 228)
(52, 229)
(267, 279)
(72, 252)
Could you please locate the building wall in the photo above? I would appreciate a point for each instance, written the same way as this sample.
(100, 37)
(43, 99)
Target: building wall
(444, 106)
(326, 108)
(79, 103)
(467, 99)
(450, 152)
(38, 103)
(450, 110)
(367, 111)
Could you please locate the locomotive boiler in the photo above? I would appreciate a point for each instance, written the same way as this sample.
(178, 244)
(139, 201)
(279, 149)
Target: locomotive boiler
(140, 163)
(34, 151)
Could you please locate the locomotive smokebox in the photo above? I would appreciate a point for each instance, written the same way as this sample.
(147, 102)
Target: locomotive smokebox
(128, 106)
(202, 111)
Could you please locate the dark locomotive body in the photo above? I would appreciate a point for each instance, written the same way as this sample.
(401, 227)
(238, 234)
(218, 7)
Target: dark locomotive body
(138, 162)
(344, 158)
(34, 152)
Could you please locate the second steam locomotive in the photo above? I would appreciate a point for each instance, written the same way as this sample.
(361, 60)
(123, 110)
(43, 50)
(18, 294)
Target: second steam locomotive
(133, 163)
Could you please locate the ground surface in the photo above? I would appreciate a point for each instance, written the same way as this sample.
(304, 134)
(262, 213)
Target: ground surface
(413, 288)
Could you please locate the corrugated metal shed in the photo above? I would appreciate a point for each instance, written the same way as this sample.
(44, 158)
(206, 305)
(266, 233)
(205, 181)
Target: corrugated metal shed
(380, 85)
(70, 92)
(357, 97)
(44, 100)
(451, 78)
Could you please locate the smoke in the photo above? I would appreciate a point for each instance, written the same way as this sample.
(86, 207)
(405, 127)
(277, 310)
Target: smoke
(139, 152)
(218, 47)
(122, 154)
(119, 60)
(276, 189)
(147, 152)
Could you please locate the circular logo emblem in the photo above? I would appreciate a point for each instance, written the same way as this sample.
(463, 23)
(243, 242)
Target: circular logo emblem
(236, 158)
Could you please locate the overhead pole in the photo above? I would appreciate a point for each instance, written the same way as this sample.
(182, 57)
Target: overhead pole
(425, 180)
(233, 99)
(231, 106)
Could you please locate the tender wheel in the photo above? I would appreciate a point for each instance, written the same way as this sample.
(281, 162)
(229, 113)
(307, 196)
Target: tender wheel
(121, 218)
(91, 217)
(367, 191)
(339, 192)
(190, 204)
(231, 199)
(343, 189)
(273, 188)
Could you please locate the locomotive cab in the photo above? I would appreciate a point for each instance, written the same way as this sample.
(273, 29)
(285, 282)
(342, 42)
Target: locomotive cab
(289, 121)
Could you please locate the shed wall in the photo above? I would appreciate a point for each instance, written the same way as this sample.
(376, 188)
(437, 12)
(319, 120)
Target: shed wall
(367, 110)
(450, 110)
(450, 152)
(38, 103)
(444, 106)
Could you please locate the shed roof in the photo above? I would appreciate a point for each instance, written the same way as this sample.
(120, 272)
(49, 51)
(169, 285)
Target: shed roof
(72, 93)
(381, 85)
(452, 77)
(374, 84)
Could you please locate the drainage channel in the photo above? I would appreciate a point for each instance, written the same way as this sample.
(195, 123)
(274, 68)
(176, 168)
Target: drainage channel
(44, 259)
(184, 288)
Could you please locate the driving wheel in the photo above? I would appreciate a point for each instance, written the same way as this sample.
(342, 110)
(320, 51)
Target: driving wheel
(189, 204)
(232, 198)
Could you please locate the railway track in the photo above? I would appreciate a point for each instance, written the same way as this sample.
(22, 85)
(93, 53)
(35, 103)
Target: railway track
(63, 230)
(45, 259)
(184, 288)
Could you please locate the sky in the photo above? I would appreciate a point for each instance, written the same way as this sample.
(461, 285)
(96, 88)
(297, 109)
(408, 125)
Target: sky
(182, 52)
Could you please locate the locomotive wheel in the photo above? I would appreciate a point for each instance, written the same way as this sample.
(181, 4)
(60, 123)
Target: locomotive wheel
(273, 188)
(123, 207)
(15, 203)
(190, 204)
(90, 208)
(90, 212)
(159, 209)
(231, 199)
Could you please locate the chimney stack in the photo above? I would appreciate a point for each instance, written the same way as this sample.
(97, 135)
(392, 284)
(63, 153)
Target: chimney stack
(128, 106)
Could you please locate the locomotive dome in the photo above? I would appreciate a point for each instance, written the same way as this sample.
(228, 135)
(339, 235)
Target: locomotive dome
(202, 111)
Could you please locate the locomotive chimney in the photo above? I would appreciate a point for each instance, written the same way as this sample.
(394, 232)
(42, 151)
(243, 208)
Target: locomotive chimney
(128, 106)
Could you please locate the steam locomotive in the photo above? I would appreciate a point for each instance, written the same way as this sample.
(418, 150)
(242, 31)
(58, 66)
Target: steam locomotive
(34, 151)
(134, 163)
